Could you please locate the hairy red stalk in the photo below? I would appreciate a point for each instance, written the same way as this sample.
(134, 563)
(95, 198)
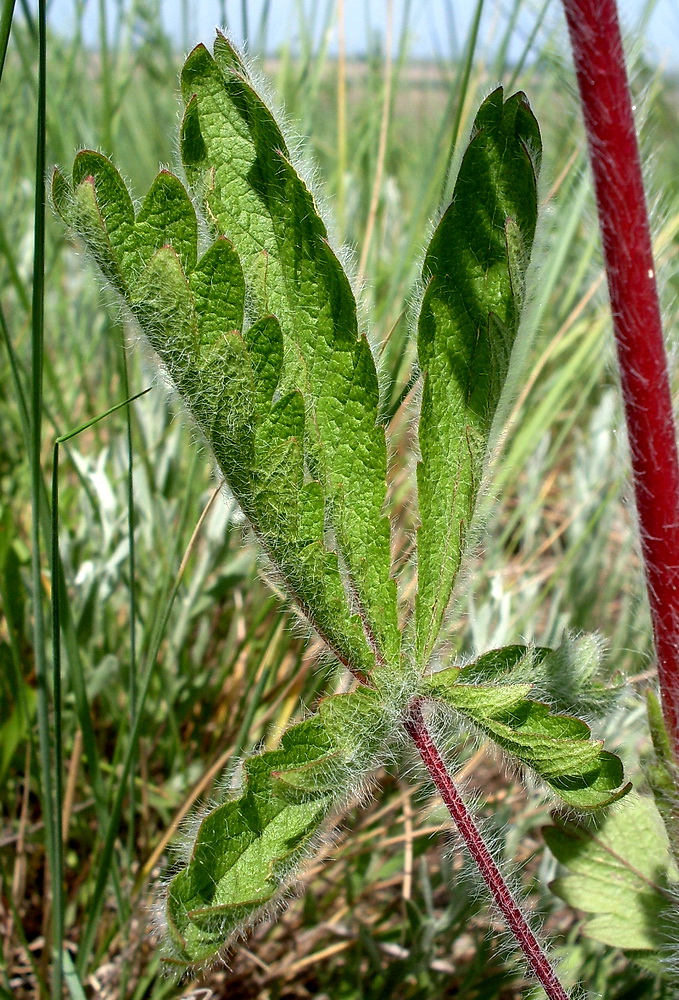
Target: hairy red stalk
(516, 921)
(614, 154)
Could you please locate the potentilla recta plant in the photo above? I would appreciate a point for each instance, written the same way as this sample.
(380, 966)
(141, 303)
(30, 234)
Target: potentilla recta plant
(233, 281)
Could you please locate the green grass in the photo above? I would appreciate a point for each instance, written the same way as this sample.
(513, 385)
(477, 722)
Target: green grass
(177, 656)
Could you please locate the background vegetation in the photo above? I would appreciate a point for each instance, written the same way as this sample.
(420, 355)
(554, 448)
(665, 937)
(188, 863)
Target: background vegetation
(389, 909)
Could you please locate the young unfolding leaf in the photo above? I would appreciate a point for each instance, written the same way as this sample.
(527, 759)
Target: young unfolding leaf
(246, 848)
(557, 747)
(238, 164)
(473, 279)
(566, 677)
(622, 875)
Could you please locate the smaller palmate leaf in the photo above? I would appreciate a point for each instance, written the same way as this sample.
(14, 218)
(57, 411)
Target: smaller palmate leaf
(247, 849)
(622, 875)
(192, 311)
(238, 165)
(557, 747)
(473, 278)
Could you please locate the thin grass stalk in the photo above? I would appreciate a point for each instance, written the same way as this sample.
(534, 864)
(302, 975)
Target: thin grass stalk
(644, 17)
(14, 276)
(30, 20)
(521, 62)
(315, 59)
(461, 87)
(131, 562)
(56, 555)
(434, 180)
(16, 667)
(516, 921)
(75, 987)
(381, 148)
(42, 988)
(71, 783)
(57, 891)
(244, 22)
(5, 27)
(185, 24)
(402, 49)
(50, 783)
(500, 63)
(341, 113)
(106, 856)
(15, 368)
(58, 592)
(107, 98)
(262, 30)
(14, 886)
(614, 154)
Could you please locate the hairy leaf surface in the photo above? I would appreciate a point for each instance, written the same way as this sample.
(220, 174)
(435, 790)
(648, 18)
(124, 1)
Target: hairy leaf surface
(246, 848)
(473, 279)
(258, 333)
(237, 162)
(557, 747)
(192, 311)
(620, 874)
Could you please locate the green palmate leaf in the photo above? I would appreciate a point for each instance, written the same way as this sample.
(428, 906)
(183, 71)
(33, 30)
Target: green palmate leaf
(259, 335)
(621, 874)
(557, 747)
(231, 376)
(473, 279)
(246, 848)
(237, 162)
(192, 311)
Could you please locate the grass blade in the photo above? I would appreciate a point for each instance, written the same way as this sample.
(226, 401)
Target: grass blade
(5, 26)
(50, 778)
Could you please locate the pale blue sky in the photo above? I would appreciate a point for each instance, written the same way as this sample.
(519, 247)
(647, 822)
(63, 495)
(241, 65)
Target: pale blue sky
(430, 31)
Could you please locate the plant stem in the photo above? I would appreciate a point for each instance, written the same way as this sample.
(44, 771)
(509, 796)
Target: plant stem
(614, 154)
(492, 876)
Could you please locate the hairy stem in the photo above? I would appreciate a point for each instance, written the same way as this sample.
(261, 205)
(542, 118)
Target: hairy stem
(492, 876)
(614, 154)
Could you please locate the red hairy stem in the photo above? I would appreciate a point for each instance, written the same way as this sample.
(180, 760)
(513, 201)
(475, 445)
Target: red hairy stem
(492, 876)
(614, 154)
